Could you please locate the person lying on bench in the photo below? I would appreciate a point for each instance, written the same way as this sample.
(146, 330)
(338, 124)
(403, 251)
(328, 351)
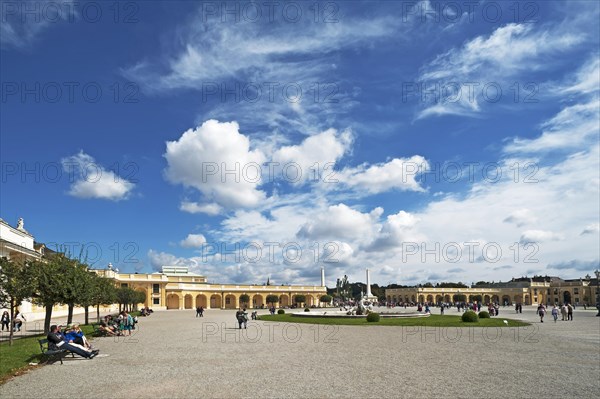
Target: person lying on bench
(57, 342)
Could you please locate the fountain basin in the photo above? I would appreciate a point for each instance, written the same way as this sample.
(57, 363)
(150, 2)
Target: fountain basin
(342, 314)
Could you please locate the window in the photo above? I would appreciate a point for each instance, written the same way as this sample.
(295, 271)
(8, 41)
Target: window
(576, 291)
(556, 291)
(156, 301)
(227, 301)
(123, 285)
(576, 300)
(156, 288)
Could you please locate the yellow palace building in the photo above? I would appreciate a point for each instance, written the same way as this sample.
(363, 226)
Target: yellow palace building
(175, 287)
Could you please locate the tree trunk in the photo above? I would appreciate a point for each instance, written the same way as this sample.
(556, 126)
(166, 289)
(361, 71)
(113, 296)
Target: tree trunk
(87, 315)
(98, 312)
(48, 317)
(12, 322)
(70, 314)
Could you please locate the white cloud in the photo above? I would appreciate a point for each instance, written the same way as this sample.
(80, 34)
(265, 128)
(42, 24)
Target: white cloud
(92, 180)
(399, 173)
(201, 158)
(509, 51)
(193, 241)
(24, 21)
(341, 222)
(521, 217)
(194, 207)
(593, 228)
(538, 236)
(316, 154)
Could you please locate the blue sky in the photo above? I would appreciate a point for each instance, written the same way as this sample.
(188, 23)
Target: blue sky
(435, 143)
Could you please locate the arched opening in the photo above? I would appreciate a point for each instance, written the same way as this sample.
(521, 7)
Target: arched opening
(395, 299)
(447, 299)
(284, 301)
(201, 300)
(527, 300)
(257, 301)
(429, 298)
(172, 301)
(506, 300)
(215, 301)
(406, 298)
(230, 302)
(188, 301)
(495, 299)
(566, 297)
(412, 298)
(421, 298)
(389, 298)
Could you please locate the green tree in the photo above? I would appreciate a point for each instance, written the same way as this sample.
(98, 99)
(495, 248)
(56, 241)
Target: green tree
(50, 286)
(326, 298)
(299, 299)
(272, 299)
(76, 283)
(245, 298)
(459, 298)
(86, 297)
(16, 284)
(105, 293)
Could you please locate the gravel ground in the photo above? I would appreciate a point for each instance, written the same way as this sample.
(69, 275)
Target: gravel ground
(175, 355)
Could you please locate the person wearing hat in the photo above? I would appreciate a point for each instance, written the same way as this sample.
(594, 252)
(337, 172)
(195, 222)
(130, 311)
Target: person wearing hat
(56, 341)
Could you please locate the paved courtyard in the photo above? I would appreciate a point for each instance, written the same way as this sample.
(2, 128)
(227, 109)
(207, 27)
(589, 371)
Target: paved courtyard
(174, 354)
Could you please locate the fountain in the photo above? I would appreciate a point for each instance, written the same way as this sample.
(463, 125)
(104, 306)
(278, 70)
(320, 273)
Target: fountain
(362, 308)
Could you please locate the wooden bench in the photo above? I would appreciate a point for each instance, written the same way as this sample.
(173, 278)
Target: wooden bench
(50, 354)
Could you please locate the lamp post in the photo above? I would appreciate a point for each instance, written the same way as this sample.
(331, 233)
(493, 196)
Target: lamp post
(597, 272)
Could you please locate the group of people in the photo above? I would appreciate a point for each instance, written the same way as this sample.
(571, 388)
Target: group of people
(117, 326)
(17, 321)
(566, 310)
(71, 339)
(200, 311)
(146, 311)
(242, 317)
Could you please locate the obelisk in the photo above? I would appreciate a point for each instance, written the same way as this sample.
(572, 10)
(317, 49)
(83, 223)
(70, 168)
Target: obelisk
(322, 277)
(369, 284)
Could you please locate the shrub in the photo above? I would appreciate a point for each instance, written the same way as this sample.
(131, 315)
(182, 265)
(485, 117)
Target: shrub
(281, 311)
(373, 317)
(484, 314)
(306, 309)
(470, 317)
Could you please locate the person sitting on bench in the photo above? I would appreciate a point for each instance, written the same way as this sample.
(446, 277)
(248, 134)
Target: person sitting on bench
(57, 342)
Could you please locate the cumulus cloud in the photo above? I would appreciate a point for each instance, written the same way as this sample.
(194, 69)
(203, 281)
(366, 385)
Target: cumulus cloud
(341, 222)
(399, 173)
(593, 228)
(521, 217)
(194, 207)
(536, 236)
(216, 159)
(92, 180)
(193, 241)
(316, 154)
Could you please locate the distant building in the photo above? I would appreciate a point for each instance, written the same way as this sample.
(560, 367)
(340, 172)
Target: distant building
(527, 291)
(175, 287)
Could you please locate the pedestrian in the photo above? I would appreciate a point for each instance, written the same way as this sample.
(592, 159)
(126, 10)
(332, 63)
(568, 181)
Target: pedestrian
(569, 312)
(555, 313)
(5, 321)
(18, 321)
(442, 309)
(198, 311)
(542, 312)
(563, 312)
(516, 308)
(201, 311)
(520, 308)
